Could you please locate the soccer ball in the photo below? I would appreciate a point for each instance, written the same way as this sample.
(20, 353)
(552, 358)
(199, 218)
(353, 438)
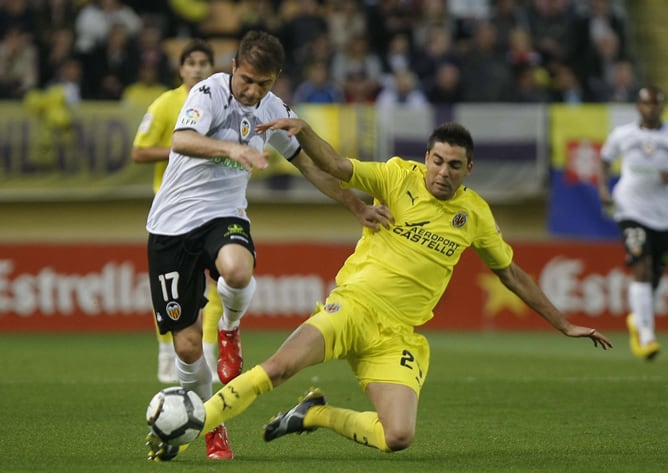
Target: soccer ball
(176, 415)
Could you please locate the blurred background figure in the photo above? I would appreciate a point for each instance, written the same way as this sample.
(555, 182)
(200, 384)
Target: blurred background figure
(358, 71)
(18, 64)
(445, 87)
(318, 87)
(402, 89)
(146, 89)
(94, 23)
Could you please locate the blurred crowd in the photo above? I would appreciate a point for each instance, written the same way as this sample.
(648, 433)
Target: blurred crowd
(412, 52)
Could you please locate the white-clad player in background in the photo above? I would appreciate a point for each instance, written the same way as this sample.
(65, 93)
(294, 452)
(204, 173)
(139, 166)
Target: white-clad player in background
(640, 205)
(198, 218)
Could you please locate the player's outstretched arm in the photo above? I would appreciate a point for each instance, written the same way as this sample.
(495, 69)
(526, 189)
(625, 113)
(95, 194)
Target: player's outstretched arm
(321, 152)
(324, 167)
(518, 281)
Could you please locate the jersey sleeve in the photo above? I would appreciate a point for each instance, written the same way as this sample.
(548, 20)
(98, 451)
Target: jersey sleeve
(490, 246)
(611, 148)
(370, 177)
(153, 127)
(278, 140)
(198, 111)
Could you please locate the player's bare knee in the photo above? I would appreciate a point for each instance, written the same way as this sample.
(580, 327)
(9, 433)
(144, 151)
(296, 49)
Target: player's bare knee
(237, 278)
(399, 439)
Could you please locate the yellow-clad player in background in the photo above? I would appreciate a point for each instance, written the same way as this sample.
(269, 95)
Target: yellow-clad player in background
(152, 145)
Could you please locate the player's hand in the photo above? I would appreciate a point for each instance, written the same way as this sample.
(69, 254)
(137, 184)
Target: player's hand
(292, 125)
(373, 216)
(598, 338)
(249, 157)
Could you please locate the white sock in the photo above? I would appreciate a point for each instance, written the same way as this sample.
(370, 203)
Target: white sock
(196, 377)
(211, 358)
(166, 348)
(642, 306)
(235, 303)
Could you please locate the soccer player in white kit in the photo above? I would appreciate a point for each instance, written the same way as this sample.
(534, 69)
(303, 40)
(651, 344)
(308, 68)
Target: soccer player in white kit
(198, 218)
(639, 201)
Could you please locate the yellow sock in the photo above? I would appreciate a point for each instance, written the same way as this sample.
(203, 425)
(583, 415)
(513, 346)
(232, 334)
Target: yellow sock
(235, 397)
(210, 315)
(362, 427)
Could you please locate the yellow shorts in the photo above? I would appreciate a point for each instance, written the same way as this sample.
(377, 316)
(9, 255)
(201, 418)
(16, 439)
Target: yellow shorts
(378, 349)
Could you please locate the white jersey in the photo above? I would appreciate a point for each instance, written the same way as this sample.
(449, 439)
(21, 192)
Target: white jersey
(196, 190)
(640, 194)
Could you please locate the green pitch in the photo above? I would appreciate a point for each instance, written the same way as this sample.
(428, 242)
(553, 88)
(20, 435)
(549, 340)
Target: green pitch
(520, 402)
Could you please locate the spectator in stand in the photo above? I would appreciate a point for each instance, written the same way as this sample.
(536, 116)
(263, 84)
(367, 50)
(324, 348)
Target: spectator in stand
(432, 14)
(403, 89)
(259, 15)
(551, 23)
(318, 87)
(445, 87)
(508, 16)
(520, 50)
(113, 65)
(346, 18)
(385, 19)
(596, 76)
(358, 71)
(151, 53)
(566, 87)
(299, 32)
(320, 50)
(146, 89)
(466, 15)
(20, 15)
(184, 17)
(624, 86)
(53, 15)
(69, 79)
(527, 87)
(399, 54)
(436, 51)
(18, 64)
(57, 49)
(94, 22)
(593, 25)
(486, 76)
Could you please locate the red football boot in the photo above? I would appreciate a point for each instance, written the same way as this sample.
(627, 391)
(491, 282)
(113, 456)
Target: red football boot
(230, 361)
(218, 444)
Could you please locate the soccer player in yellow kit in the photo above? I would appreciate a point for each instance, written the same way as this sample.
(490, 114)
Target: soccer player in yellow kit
(385, 289)
(151, 145)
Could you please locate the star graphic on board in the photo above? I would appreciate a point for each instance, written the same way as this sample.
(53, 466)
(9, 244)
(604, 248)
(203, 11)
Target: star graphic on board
(499, 297)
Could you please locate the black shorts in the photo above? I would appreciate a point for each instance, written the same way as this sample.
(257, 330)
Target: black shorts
(176, 267)
(640, 241)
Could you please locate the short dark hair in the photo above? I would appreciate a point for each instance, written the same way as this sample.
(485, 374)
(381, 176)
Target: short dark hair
(196, 45)
(654, 91)
(261, 50)
(453, 134)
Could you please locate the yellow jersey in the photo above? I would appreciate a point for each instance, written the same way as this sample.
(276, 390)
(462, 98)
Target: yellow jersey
(157, 126)
(406, 269)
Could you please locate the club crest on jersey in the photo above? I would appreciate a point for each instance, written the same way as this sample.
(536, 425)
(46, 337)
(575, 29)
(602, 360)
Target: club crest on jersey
(190, 117)
(244, 128)
(459, 220)
(332, 307)
(173, 310)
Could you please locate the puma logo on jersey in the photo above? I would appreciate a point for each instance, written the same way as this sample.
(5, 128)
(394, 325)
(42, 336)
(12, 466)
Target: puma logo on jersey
(410, 196)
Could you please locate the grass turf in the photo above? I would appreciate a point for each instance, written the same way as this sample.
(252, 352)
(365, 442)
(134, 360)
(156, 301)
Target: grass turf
(493, 402)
